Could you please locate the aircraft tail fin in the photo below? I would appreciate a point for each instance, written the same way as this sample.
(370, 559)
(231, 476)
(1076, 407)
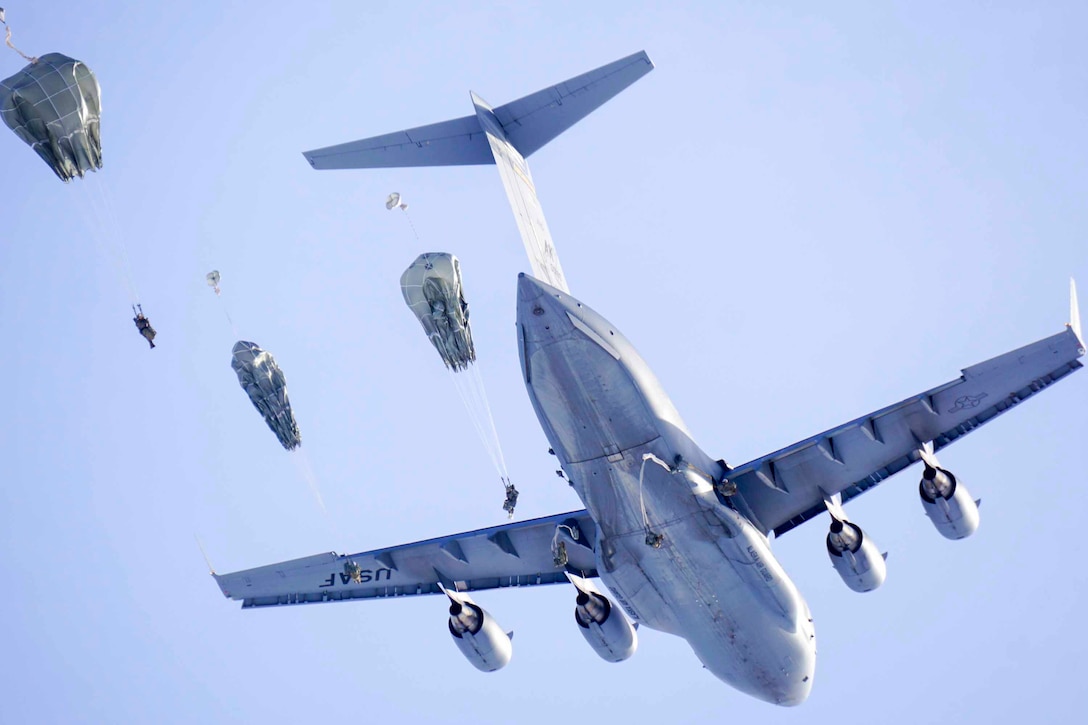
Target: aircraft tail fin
(504, 136)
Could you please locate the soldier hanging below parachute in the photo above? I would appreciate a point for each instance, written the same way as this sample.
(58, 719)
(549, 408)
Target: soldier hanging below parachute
(143, 325)
(54, 105)
(432, 288)
(266, 386)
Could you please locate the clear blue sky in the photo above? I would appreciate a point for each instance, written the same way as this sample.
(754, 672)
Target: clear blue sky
(800, 216)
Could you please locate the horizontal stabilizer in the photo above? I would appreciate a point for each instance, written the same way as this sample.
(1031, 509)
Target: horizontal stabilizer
(536, 119)
(459, 142)
(527, 123)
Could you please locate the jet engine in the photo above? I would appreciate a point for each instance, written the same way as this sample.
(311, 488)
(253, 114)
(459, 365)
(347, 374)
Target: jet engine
(476, 633)
(603, 626)
(947, 502)
(855, 557)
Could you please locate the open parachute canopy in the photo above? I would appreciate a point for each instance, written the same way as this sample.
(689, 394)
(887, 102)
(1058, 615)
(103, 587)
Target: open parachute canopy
(212, 278)
(432, 288)
(264, 383)
(54, 105)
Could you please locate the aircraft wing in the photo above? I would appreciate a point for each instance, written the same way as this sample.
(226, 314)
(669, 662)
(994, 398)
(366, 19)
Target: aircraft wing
(511, 555)
(786, 488)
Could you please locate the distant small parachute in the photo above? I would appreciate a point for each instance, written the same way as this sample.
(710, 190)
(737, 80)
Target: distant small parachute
(394, 202)
(213, 280)
(53, 104)
(432, 288)
(264, 383)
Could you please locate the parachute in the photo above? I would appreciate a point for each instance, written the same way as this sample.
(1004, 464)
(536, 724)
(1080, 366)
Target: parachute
(213, 280)
(53, 104)
(432, 288)
(433, 291)
(394, 202)
(264, 383)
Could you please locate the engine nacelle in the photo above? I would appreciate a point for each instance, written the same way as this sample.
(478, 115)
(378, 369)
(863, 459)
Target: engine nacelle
(948, 504)
(855, 557)
(603, 625)
(476, 633)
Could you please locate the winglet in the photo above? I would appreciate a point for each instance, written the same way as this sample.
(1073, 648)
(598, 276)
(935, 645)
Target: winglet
(1074, 311)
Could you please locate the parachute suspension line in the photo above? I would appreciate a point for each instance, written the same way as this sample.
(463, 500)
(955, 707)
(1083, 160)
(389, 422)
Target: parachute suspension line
(306, 471)
(653, 539)
(7, 41)
(230, 320)
(95, 221)
(114, 227)
(488, 420)
(470, 388)
(474, 397)
(410, 224)
(212, 278)
(233, 327)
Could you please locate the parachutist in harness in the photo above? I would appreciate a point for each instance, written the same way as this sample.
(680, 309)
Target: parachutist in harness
(353, 571)
(511, 498)
(143, 325)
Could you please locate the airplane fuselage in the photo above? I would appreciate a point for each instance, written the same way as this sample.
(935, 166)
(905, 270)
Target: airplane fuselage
(676, 557)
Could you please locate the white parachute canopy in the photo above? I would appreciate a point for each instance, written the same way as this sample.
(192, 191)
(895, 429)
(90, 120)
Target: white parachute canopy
(394, 202)
(212, 279)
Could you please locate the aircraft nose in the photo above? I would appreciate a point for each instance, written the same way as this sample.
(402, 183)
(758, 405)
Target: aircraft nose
(793, 693)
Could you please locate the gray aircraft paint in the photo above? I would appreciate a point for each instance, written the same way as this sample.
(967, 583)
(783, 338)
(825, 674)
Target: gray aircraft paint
(713, 580)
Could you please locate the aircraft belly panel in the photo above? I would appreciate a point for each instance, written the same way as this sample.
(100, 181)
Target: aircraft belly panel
(712, 580)
(711, 592)
(592, 405)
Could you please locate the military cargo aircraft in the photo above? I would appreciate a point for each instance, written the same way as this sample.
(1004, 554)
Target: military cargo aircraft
(680, 539)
